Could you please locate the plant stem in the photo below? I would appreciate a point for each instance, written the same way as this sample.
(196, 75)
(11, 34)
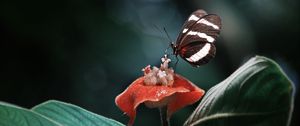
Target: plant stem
(163, 116)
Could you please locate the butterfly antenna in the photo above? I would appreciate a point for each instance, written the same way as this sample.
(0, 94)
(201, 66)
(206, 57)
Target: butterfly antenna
(158, 29)
(170, 45)
(170, 40)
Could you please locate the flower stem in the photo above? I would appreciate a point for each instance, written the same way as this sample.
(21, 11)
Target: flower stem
(163, 116)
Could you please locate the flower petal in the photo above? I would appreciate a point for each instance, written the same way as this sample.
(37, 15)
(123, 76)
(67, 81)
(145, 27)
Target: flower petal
(125, 100)
(183, 99)
(138, 93)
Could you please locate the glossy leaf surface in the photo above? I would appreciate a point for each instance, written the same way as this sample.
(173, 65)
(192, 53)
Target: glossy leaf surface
(257, 94)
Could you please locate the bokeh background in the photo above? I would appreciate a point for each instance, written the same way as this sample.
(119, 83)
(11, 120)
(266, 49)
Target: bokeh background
(88, 51)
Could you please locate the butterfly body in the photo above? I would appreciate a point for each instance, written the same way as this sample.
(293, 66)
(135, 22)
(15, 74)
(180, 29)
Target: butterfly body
(196, 42)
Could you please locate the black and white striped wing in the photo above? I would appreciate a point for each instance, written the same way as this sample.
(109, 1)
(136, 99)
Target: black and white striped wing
(198, 53)
(195, 44)
(206, 29)
(193, 18)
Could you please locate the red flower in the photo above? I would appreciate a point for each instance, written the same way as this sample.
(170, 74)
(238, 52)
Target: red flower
(158, 88)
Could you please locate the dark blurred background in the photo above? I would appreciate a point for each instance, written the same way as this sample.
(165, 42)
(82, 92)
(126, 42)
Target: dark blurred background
(86, 51)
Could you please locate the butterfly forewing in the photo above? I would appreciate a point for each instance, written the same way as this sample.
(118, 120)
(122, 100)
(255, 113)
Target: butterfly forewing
(206, 29)
(193, 18)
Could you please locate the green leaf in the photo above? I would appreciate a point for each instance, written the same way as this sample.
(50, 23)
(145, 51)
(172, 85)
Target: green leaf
(257, 94)
(71, 115)
(51, 113)
(11, 115)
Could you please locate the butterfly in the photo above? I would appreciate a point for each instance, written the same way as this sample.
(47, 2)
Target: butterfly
(196, 42)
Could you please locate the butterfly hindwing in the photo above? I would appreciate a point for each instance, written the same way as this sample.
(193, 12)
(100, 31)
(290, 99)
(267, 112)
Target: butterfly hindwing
(198, 53)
